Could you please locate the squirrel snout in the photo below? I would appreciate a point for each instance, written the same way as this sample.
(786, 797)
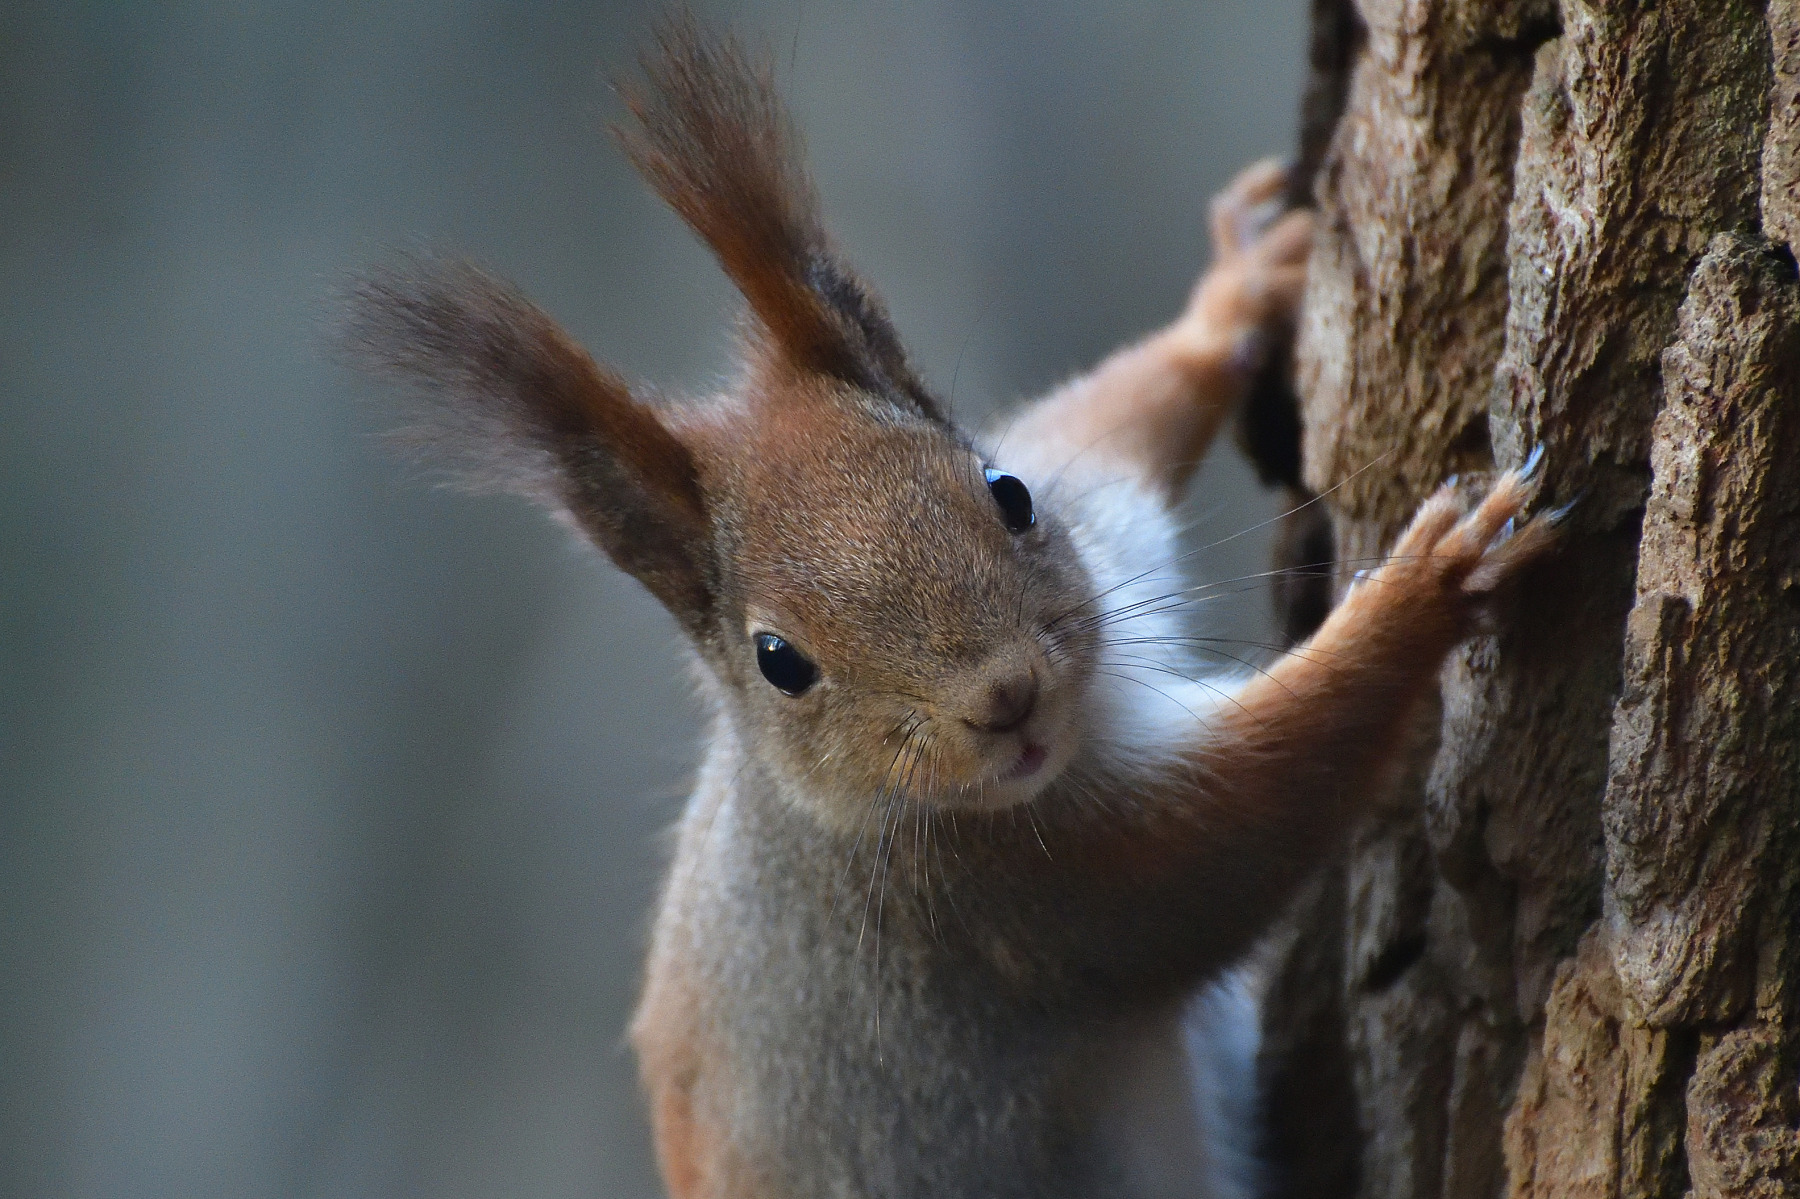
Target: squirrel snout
(1004, 703)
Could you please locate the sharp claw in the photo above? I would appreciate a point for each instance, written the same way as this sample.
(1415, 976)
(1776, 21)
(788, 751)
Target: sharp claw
(1507, 530)
(1254, 221)
(1451, 480)
(1559, 515)
(1533, 464)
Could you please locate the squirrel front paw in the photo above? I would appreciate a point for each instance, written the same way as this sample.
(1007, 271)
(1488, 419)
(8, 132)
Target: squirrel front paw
(1253, 288)
(1451, 558)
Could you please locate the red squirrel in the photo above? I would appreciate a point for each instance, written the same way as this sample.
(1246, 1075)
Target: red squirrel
(972, 824)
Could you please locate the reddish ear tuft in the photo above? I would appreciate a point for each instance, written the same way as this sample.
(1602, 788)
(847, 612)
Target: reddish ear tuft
(714, 140)
(508, 402)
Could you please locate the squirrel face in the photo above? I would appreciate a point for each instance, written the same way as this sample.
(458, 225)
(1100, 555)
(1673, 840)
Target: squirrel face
(902, 615)
(886, 612)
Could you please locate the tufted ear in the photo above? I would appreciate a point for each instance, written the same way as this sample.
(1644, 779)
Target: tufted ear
(508, 402)
(714, 140)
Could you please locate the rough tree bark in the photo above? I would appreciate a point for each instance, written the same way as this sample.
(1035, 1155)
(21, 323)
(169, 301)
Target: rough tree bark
(1563, 961)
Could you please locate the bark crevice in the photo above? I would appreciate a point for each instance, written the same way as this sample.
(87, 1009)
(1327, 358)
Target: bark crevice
(1564, 961)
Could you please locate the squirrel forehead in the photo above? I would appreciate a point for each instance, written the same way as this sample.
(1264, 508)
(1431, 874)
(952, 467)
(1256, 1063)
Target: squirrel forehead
(868, 522)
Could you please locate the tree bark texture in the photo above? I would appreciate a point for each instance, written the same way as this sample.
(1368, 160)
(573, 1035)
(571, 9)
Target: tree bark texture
(1565, 959)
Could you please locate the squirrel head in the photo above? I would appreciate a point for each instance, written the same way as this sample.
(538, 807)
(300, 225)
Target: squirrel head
(887, 613)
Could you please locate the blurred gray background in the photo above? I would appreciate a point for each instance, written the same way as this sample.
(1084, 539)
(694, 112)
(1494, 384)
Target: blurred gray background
(329, 801)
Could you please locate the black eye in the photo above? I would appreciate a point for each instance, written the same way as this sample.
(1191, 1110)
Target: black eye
(1014, 500)
(783, 665)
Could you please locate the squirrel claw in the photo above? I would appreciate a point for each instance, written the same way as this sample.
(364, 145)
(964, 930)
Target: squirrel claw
(1560, 514)
(1534, 463)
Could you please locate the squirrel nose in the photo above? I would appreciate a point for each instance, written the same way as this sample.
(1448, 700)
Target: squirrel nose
(1005, 704)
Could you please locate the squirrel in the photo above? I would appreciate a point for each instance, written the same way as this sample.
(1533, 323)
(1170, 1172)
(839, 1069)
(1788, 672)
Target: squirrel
(972, 826)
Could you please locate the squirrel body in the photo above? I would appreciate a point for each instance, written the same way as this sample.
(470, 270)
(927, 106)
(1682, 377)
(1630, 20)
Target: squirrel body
(973, 824)
(926, 1005)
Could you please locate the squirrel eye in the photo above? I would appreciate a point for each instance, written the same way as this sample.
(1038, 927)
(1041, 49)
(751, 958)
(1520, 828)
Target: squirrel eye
(783, 665)
(1014, 500)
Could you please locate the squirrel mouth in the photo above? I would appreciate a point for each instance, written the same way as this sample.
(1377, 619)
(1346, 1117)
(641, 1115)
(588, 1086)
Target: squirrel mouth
(1029, 763)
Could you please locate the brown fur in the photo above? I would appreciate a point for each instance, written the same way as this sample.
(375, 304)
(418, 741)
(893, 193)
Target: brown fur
(1156, 406)
(714, 140)
(680, 1064)
(893, 956)
(510, 402)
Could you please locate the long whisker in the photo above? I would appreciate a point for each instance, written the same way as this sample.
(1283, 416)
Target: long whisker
(1182, 557)
(1198, 719)
(1031, 817)
(878, 880)
(1310, 570)
(1209, 646)
(887, 798)
(1300, 507)
(1175, 601)
(878, 875)
(1198, 641)
(900, 798)
(874, 801)
(1074, 783)
(1162, 668)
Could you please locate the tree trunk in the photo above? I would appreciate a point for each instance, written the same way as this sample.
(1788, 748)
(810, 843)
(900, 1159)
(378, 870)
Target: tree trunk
(1563, 961)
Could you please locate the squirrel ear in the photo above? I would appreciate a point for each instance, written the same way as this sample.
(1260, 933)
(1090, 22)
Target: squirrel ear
(713, 139)
(511, 403)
